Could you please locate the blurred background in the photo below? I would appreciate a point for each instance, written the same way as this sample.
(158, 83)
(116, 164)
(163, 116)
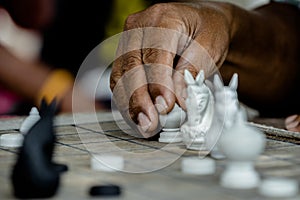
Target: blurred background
(61, 34)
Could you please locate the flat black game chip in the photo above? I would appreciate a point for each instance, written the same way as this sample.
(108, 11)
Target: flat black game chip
(105, 190)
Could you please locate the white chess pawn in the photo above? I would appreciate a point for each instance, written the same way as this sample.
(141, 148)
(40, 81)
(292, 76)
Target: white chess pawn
(29, 121)
(171, 125)
(242, 145)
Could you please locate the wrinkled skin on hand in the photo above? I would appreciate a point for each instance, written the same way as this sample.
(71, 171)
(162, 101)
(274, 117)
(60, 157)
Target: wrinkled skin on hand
(142, 60)
(147, 76)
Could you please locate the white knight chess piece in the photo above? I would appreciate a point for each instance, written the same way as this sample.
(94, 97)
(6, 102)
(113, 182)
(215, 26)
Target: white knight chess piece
(200, 111)
(227, 103)
(226, 109)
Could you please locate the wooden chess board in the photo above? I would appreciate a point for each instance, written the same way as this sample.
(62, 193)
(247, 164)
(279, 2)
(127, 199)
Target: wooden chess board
(152, 169)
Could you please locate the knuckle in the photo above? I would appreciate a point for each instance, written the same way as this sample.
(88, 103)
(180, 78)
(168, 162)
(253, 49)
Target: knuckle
(190, 68)
(115, 76)
(131, 60)
(130, 19)
(148, 16)
(113, 82)
(159, 8)
(158, 56)
(150, 54)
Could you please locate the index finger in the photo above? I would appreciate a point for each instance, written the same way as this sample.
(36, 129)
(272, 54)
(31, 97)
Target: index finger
(160, 47)
(129, 84)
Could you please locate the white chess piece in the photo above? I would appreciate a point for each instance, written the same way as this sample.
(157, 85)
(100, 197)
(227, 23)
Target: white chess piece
(200, 111)
(227, 103)
(242, 145)
(29, 121)
(171, 125)
(226, 108)
(12, 140)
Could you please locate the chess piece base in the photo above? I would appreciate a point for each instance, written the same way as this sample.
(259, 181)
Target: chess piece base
(170, 136)
(197, 145)
(217, 154)
(240, 175)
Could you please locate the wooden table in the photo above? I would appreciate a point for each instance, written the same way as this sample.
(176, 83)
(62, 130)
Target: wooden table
(152, 169)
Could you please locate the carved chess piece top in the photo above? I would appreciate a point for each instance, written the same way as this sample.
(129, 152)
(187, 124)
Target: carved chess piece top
(200, 111)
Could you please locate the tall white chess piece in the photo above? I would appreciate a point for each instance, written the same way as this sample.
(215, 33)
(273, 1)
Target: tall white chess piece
(241, 144)
(226, 109)
(227, 103)
(200, 111)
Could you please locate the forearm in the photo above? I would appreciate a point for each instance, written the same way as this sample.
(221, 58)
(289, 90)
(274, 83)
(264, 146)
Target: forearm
(264, 50)
(264, 34)
(36, 81)
(24, 78)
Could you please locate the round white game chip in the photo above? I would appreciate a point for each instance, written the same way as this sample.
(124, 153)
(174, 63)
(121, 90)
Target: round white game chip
(199, 166)
(279, 187)
(11, 140)
(107, 163)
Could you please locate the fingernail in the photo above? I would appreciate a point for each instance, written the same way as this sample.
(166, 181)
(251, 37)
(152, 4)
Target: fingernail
(160, 104)
(290, 119)
(292, 125)
(144, 122)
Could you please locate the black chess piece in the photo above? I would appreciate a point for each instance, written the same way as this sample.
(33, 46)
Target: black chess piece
(105, 191)
(35, 175)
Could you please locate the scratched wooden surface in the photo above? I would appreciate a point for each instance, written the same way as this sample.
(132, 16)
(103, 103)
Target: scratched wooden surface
(152, 169)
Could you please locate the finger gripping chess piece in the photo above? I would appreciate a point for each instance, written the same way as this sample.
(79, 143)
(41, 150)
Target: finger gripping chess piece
(200, 111)
(241, 144)
(171, 125)
(35, 175)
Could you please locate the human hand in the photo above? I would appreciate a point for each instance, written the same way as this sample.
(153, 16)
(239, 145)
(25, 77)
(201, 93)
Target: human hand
(147, 77)
(292, 123)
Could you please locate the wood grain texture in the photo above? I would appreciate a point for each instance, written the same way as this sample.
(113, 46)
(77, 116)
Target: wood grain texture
(75, 142)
